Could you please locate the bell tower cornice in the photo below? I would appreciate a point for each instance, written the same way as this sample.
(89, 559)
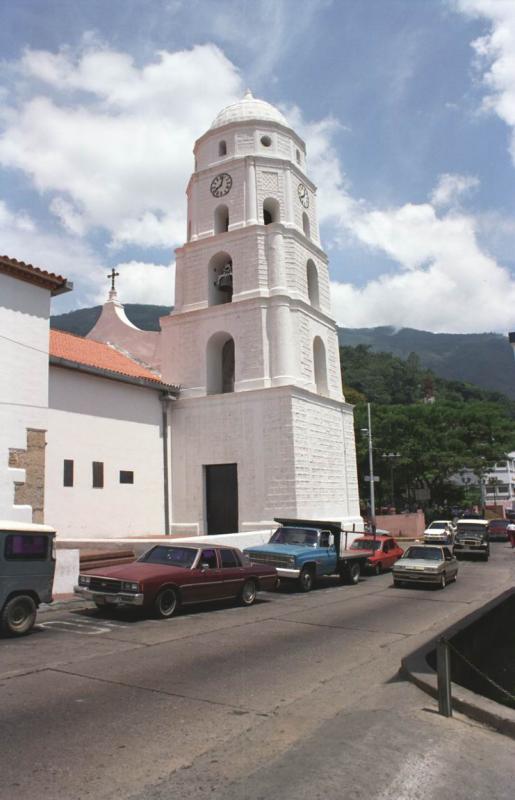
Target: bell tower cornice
(261, 159)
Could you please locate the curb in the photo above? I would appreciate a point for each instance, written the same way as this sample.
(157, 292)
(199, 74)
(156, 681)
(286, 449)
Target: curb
(415, 668)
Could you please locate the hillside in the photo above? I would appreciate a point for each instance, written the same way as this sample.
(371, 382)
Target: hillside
(483, 359)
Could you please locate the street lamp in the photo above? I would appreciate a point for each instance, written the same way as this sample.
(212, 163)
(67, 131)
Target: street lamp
(371, 476)
(391, 458)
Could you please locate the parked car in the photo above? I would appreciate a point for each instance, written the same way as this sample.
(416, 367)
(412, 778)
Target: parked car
(304, 550)
(498, 530)
(472, 538)
(425, 563)
(385, 551)
(27, 566)
(169, 576)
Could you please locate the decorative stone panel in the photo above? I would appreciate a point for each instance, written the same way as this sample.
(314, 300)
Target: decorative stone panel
(32, 460)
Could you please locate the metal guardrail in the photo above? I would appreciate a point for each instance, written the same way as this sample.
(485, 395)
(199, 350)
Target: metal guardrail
(444, 678)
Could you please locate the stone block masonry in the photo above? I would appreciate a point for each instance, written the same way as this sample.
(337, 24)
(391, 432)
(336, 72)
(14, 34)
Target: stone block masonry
(32, 491)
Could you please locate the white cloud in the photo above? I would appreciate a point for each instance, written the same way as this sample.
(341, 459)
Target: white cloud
(110, 142)
(496, 57)
(451, 187)
(142, 282)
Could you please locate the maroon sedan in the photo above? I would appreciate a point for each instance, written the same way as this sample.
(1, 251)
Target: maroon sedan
(168, 576)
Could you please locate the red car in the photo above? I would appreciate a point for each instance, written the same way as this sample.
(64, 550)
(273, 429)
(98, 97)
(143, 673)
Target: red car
(498, 529)
(168, 576)
(385, 551)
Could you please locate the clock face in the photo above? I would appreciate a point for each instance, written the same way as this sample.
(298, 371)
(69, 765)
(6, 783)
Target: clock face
(303, 195)
(221, 184)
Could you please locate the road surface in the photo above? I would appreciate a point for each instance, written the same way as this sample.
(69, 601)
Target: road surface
(296, 697)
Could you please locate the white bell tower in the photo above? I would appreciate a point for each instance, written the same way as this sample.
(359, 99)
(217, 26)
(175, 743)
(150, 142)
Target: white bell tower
(261, 428)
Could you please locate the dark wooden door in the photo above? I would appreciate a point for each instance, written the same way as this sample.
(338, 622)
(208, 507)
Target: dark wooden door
(222, 498)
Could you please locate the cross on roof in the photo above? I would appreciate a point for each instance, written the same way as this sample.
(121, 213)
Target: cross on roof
(112, 275)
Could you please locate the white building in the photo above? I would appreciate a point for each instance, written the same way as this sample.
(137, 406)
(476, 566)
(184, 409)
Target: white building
(25, 293)
(260, 427)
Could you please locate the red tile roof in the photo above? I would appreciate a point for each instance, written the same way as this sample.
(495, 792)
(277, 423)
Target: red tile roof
(99, 356)
(27, 272)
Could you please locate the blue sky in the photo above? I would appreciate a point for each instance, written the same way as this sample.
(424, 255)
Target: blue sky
(407, 108)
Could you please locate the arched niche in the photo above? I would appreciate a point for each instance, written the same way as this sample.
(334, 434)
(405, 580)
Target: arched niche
(220, 364)
(220, 279)
(271, 211)
(319, 365)
(312, 279)
(305, 225)
(222, 148)
(189, 230)
(221, 219)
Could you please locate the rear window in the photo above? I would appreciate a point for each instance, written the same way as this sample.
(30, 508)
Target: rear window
(229, 558)
(25, 546)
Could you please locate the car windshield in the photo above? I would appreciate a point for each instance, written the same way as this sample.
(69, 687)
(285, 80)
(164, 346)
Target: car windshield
(438, 525)
(427, 553)
(365, 544)
(173, 556)
(472, 529)
(303, 536)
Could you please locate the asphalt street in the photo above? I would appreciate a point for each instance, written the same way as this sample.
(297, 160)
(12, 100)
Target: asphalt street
(298, 696)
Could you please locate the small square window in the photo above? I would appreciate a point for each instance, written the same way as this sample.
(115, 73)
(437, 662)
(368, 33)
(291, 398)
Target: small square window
(98, 474)
(67, 472)
(126, 476)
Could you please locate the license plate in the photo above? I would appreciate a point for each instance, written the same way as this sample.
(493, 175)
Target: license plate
(112, 600)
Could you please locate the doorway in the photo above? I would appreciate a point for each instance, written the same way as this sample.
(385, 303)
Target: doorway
(221, 482)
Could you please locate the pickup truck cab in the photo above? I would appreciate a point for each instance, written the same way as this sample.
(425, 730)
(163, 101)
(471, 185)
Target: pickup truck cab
(27, 566)
(304, 550)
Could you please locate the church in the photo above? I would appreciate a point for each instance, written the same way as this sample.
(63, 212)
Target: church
(231, 414)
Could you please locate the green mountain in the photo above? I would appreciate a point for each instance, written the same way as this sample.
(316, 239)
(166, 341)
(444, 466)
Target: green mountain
(483, 359)
(83, 320)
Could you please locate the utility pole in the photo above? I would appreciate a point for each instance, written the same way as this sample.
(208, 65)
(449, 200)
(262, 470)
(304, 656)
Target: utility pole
(371, 468)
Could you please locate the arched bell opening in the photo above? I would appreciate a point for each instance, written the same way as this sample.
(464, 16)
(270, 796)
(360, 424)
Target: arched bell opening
(305, 225)
(312, 279)
(220, 364)
(220, 279)
(221, 219)
(271, 211)
(222, 148)
(319, 365)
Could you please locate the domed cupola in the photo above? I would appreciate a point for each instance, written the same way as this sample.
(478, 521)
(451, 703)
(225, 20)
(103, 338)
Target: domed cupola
(246, 109)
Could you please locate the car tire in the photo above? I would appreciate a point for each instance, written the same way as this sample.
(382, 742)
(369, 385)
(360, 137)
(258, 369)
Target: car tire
(443, 582)
(18, 615)
(352, 573)
(248, 593)
(378, 568)
(306, 579)
(166, 603)
(397, 583)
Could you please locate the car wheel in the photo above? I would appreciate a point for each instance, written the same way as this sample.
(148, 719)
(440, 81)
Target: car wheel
(18, 615)
(248, 593)
(306, 579)
(378, 568)
(397, 583)
(443, 582)
(352, 573)
(166, 603)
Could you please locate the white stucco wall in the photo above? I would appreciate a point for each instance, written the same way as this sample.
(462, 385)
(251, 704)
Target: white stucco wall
(292, 449)
(24, 314)
(94, 419)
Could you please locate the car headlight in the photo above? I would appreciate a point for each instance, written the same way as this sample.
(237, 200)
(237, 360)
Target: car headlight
(291, 561)
(84, 580)
(128, 586)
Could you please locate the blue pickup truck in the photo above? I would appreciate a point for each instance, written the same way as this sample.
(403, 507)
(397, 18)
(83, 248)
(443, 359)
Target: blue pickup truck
(304, 550)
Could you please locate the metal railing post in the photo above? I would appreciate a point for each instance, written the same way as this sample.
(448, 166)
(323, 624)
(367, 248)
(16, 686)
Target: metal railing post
(443, 672)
